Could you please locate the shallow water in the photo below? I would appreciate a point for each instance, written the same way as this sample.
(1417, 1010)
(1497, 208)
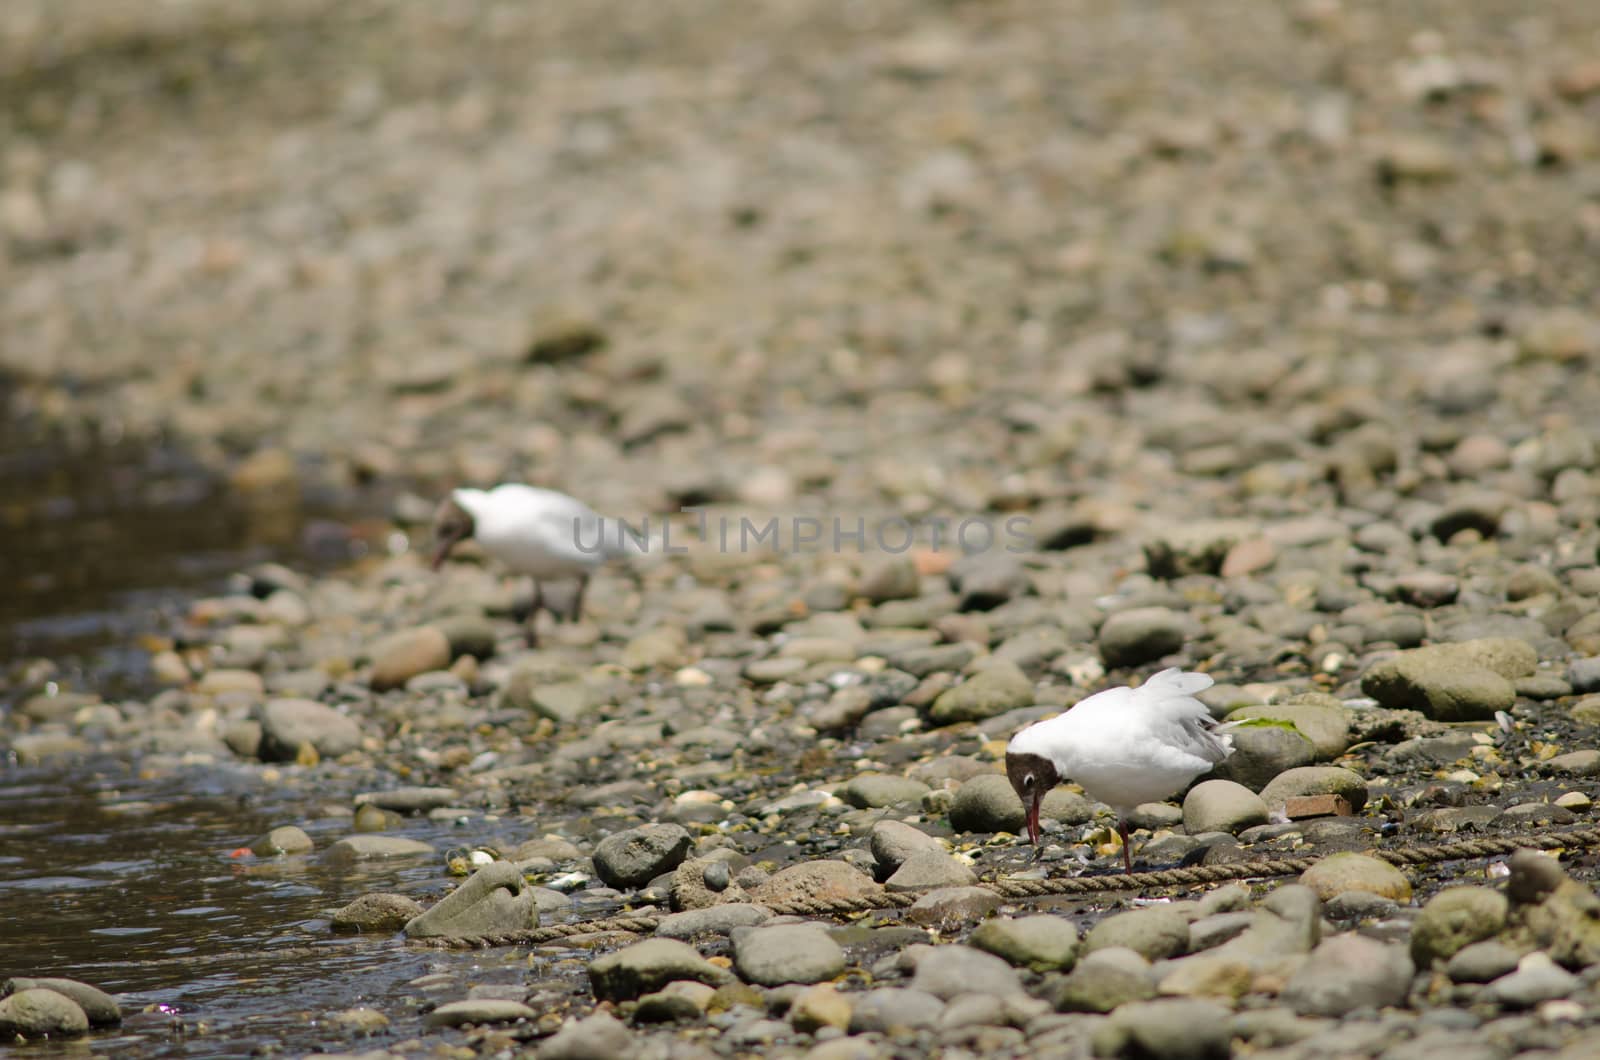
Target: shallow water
(119, 873)
(127, 880)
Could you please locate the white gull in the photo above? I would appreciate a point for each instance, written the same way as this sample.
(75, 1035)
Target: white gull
(1125, 746)
(536, 532)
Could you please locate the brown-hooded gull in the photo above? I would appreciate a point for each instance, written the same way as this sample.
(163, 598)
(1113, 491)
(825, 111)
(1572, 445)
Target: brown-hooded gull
(536, 532)
(1125, 746)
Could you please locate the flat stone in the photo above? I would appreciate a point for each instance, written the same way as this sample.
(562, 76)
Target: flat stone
(410, 800)
(786, 953)
(1325, 724)
(1204, 975)
(1173, 1029)
(356, 848)
(1141, 634)
(1262, 751)
(1463, 681)
(928, 869)
(713, 920)
(821, 1006)
(951, 905)
(1482, 962)
(994, 690)
(492, 901)
(815, 882)
(479, 1012)
(371, 913)
(1041, 943)
(874, 791)
(645, 967)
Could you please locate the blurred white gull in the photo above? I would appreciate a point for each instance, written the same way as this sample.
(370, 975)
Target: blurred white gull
(536, 532)
(1125, 746)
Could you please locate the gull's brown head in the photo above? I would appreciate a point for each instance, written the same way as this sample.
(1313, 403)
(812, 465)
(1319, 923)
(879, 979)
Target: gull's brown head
(1031, 776)
(452, 524)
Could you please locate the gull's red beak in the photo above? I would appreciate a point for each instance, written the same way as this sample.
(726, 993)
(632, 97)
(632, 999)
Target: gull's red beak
(1033, 818)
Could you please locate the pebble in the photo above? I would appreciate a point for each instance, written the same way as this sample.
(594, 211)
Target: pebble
(600, 1036)
(1040, 943)
(821, 1006)
(1315, 780)
(288, 725)
(1456, 918)
(894, 1010)
(1176, 1028)
(645, 967)
(786, 953)
(947, 972)
(1348, 972)
(285, 839)
(372, 913)
(987, 804)
(1222, 806)
(634, 857)
(994, 690)
(492, 901)
(478, 1012)
(403, 655)
(1140, 635)
(1345, 871)
(929, 869)
(894, 842)
(1536, 979)
(1152, 933)
(947, 906)
(41, 1013)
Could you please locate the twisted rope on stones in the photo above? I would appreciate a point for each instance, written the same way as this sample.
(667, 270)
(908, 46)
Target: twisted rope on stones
(1016, 888)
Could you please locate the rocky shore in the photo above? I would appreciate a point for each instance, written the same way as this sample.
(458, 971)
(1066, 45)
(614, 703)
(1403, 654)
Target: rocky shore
(1258, 338)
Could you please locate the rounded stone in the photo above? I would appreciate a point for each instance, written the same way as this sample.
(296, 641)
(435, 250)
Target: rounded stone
(40, 1013)
(1342, 872)
(645, 967)
(286, 839)
(635, 857)
(401, 656)
(372, 913)
(1454, 919)
(288, 725)
(1141, 634)
(893, 842)
(997, 688)
(987, 804)
(1154, 934)
(874, 791)
(1315, 780)
(1222, 806)
(1042, 943)
(1261, 751)
(786, 953)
